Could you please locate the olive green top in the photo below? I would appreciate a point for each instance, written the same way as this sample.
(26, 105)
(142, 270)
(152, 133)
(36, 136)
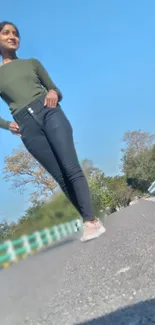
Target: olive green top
(22, 82)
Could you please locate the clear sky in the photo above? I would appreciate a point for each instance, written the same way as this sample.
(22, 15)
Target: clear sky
(101, 55)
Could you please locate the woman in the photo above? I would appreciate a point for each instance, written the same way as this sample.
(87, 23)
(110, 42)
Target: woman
(33, 100)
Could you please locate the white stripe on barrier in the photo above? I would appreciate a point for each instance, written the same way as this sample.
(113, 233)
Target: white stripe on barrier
(26, 244)
(10, 250)
(48, 235)
(38, 239)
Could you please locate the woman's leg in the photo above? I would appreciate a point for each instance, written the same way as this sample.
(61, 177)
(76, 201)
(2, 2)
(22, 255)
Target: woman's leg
(51, 144)
(59, 134)
(37, 144)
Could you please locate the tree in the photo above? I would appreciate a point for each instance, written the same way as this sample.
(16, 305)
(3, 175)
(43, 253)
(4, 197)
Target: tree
(88, 168)
(101, 198)
(22, 169)
(141, 173)
(45, 215)
(106, 192)
(137, 141)
(121, 194)
(4, 230)
(138, 163)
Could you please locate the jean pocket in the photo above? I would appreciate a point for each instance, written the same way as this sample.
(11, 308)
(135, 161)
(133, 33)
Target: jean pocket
(23, 130)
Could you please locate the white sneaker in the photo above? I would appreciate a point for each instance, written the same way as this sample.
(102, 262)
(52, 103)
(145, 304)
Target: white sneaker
(92, 230)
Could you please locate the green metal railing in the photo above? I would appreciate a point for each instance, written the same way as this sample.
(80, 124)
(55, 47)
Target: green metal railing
(11, 251)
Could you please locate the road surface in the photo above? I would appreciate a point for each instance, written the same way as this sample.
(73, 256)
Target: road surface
(107, 281)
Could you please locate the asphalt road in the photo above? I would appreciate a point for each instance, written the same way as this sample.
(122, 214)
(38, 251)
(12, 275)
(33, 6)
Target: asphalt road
(107, 281)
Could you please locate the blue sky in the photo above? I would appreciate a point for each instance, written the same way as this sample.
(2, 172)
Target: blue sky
(101, 55)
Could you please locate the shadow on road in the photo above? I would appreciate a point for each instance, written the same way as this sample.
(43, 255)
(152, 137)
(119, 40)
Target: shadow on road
(142, 313)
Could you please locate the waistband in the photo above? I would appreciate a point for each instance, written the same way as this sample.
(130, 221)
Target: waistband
(32, 106)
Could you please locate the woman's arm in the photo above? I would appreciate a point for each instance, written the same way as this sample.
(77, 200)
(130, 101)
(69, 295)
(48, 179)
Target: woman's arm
(4, 124)
(44, 77)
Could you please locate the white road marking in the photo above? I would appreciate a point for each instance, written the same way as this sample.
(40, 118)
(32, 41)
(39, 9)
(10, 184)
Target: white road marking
(123, 270)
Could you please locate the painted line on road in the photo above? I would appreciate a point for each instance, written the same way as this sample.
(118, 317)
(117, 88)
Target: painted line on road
(123, 270)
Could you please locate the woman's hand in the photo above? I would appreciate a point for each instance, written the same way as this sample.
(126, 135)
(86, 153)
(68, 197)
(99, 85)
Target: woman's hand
(14, 128)
(51, 99)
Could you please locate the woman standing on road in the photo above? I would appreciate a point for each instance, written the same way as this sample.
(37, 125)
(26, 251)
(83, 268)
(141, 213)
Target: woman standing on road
(33, 100)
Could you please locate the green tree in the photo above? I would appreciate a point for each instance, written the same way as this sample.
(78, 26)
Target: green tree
(88, 168)
(101, 198)
(138, 163)
(106, 192)
(121, 194)
(4, 230)
(57, 210)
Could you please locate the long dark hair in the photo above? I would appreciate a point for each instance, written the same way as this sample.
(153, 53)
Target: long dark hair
(2, 25)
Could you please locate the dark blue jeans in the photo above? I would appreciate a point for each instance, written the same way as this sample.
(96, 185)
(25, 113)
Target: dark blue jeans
(48, 136)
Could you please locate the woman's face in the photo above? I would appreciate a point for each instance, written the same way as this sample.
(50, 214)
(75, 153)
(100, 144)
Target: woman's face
(9, 39)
